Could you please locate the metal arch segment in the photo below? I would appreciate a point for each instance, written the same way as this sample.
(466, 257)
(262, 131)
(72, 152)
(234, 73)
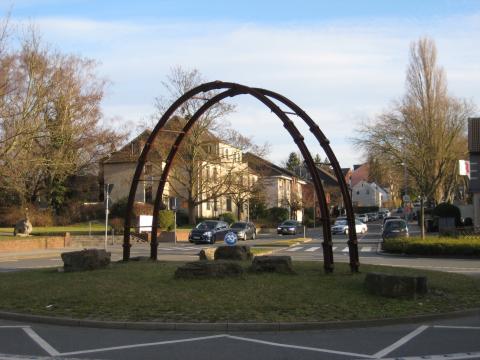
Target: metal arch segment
(236, 89)
(146, 149)
(325, 143)
(169, 161)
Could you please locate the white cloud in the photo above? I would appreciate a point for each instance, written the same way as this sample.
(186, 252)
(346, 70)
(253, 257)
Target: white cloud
(340, 73)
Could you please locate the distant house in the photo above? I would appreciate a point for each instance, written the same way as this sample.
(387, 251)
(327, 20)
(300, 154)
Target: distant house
(369, 194)
(359, 173)
(282, 187)
(118, 169)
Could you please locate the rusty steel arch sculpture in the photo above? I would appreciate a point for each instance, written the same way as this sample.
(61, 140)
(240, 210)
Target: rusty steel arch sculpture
(231, 90)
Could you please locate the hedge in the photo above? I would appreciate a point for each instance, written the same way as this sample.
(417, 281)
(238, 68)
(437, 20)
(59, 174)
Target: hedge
(434, 245)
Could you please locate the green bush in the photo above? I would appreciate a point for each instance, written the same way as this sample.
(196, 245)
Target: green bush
(448, 210)
(277, 214)
(166, 219)
(228, 217)
(433, 245)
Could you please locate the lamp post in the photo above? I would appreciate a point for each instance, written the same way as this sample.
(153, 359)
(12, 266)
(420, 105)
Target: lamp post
(405, 198)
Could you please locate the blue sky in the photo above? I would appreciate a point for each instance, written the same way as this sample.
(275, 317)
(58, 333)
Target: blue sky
(342, 61)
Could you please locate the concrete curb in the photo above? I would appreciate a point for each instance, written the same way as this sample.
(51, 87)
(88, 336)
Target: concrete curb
(233, 326)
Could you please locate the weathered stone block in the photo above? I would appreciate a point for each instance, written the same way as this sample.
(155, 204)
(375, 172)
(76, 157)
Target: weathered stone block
(88, 259)
(207, 254)
(237, 252)
(23, 228)
(277, 264)
(208, 269)
(396, 285)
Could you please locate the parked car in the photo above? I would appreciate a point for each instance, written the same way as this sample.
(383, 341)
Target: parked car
(341, 227)
(244, 230)
(385, 219)
(291, 227)
(363, 218)
(395, 228)
(208, 231)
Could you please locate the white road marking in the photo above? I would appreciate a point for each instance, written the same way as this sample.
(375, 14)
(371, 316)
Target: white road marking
(143, 345)
(457, 356)
(313, 248)
(366, 248)
(298, 347)
(295, 248)
(457, 327)
(334, 248)
(400, 342)
(40, 342)
(345, 249)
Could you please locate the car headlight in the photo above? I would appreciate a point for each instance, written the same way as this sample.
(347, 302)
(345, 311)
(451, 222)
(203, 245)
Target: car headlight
(279, 228)
(291, 229)
(240, 233)
(208, 234)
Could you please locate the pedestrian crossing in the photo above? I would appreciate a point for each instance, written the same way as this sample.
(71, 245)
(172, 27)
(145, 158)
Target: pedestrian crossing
(343, 249)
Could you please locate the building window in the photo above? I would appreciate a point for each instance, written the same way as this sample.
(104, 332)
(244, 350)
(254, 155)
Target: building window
(229, 204)
(208, 205)
(367, 192)
(214, 174)
(208, 173)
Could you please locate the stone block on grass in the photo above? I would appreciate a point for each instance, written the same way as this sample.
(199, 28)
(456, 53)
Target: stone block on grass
(272, 264)
(208, 270)
(237, 252)
(88, 259)
(396, 286)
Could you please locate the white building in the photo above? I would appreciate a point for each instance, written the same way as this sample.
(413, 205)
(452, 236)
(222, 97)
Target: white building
(368, 194)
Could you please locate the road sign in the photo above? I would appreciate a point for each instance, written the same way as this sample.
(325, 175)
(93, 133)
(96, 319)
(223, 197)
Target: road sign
(406, 198)
(231, 238)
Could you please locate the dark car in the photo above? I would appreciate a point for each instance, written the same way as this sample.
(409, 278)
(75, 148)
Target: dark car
(385, 219)
(208, 231)
(290, 227)
(395, 228)
(244, 230)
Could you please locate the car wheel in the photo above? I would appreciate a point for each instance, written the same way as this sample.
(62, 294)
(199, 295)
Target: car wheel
(254, 235)
(244, 237)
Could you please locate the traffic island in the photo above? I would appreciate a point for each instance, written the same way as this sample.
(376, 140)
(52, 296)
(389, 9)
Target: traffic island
(148, 292)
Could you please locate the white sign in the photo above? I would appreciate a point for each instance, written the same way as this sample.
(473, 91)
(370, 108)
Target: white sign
(145, 223)
(464, 168)
(406, 198)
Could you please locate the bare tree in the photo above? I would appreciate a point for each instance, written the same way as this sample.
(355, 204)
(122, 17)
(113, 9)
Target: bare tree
(191, 178)
(49, 120)
(424, 131)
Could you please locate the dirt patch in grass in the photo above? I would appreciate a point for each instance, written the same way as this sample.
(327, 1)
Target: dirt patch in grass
(149, 292)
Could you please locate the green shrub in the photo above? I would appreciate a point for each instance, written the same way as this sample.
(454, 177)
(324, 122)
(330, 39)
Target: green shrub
(277, 214)
(448, 210)
(166, 219)
(228, 217)
(433, 245)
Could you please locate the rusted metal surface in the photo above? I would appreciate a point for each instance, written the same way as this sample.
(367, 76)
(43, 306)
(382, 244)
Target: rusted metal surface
(261, 94)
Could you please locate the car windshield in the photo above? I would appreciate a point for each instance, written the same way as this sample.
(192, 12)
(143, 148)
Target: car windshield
(341, 222)
(289, 223)
(395, 225)
(204, 225)
(238, 226)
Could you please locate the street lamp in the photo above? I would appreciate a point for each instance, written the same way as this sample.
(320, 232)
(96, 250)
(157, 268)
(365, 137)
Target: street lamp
(404, 163)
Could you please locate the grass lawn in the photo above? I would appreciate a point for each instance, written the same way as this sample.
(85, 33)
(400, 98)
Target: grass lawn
(75, 229)
(148, 291)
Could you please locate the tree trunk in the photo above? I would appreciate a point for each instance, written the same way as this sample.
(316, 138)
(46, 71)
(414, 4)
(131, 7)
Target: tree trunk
(191, 213)
(422, 218)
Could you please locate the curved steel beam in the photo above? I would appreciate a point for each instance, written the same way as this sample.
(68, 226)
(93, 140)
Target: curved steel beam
(325, 144)
(288, 124)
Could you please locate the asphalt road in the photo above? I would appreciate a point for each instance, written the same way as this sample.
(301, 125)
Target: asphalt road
(368, 245)
(453, 339)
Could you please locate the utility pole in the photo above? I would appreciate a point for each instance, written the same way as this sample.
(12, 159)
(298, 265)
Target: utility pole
(107, 190)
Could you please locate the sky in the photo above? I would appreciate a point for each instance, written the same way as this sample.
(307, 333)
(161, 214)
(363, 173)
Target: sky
(343, 62)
